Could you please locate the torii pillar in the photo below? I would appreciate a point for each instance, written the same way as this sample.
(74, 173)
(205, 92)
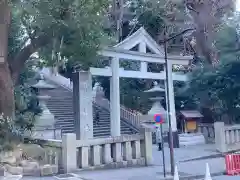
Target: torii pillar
(115, 99)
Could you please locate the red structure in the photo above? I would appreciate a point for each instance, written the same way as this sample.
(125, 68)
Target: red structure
(232, 162)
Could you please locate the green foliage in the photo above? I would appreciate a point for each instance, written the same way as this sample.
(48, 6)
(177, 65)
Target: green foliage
(70, 30)
(73, 28)
(27, 108)
(17, 36)
(8, 134)
(227, 41)
(25, 100)
(218, 88)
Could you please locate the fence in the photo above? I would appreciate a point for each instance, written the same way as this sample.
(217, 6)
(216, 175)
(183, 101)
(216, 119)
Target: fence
(227, 138)
(207, 129)
(70, 154)
(52, 151)
(112, 152)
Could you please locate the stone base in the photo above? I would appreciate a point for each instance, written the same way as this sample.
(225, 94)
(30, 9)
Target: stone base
(2, 170)
(45, 170)
(191, 139)
(114, 165)
(48, 170)
(45, 134)
(175, 139)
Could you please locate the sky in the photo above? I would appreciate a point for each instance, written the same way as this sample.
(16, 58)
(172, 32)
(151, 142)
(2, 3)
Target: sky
(238, 5)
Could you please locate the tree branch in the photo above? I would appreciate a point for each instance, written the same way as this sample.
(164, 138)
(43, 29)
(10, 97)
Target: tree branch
(17, 64)
(179, 34)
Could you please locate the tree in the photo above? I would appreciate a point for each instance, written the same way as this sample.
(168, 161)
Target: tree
(207, 18)
(6, 84)
(77, 25)
(217, 87)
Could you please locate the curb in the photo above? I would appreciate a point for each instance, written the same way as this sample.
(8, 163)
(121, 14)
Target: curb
(194, 177)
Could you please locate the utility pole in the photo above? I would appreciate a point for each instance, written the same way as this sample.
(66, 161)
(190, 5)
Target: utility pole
(120, 20)
(168, 106)
(165, 40)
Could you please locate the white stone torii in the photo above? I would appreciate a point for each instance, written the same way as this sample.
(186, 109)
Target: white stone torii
(122, 52)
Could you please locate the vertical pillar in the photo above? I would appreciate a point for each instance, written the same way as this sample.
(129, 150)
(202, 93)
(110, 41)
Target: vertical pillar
(69, 152)
(82, 105)
(143, 49)
(115, 99)
(146, 148)
(220, 139)
(107, 153)
(172, 107)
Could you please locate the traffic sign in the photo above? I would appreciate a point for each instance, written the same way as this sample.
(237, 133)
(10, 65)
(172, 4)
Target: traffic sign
(158, 119)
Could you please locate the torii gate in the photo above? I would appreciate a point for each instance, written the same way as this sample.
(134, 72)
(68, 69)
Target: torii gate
(122, 51)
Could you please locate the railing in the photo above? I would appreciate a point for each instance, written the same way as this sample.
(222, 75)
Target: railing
(207, 129)
(132, 118)
(227, 138)
(52, 156)
(53, 152)
(232, 134)
(44, 133)
(112, 152)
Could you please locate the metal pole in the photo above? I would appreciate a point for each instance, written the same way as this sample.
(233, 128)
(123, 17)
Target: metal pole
(163, 153)
(120, 21)
(168, 107)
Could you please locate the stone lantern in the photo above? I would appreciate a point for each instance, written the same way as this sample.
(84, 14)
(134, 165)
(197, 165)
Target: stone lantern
(46, 119)
(156, 94)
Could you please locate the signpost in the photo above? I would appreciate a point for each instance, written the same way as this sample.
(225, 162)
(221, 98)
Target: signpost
(158, 122)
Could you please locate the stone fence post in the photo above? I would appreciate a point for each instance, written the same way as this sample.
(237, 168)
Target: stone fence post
(69, 152)
(146, 146)
(220, 141)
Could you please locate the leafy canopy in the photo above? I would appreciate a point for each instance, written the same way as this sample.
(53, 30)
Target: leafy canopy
(72, 27)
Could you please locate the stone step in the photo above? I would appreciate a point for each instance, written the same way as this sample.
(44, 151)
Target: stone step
(98, 134)
(107, 134)
(95, 127)
(66, 109)
(60, 104)
(65, 120)
(65, 101)
(108, 130)
(101, 121)
(59, 116)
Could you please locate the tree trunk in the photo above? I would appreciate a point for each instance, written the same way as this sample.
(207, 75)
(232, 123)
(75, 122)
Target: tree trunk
(7, 105)
(6, 83)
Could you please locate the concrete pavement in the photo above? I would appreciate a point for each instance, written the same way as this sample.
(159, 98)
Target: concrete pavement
(226, 178)
(155, 172)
